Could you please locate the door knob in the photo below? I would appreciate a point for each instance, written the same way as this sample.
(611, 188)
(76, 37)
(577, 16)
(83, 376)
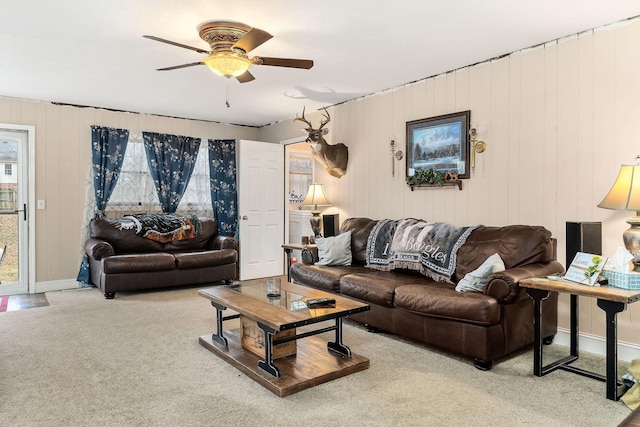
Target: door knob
(244, 217)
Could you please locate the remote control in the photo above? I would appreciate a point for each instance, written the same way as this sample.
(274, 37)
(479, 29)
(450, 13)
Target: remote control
(320, 302)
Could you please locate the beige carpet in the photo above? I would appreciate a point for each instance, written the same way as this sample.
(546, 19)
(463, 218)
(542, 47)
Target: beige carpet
(136, 361)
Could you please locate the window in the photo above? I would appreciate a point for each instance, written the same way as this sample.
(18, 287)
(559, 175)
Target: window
(136, 193)
(8, 169)
(8, 198)
(197, 196)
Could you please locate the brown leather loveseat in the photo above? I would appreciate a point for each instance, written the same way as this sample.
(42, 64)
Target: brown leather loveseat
(121, 261)
(484, 326)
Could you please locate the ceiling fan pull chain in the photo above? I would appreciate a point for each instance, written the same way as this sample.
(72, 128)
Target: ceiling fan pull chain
(227, 97)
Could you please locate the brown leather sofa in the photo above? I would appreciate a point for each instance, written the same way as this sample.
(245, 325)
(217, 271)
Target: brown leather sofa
(122, 261)
(483, 326)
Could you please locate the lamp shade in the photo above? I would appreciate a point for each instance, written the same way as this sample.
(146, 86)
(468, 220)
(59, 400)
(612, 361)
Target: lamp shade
(227, 64)
(625, 193)
(316, 196)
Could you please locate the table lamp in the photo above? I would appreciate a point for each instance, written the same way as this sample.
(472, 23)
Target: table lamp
(625, 195)
(316, 197)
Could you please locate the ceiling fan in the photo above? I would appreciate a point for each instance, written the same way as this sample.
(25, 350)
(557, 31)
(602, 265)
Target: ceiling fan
(230, 42)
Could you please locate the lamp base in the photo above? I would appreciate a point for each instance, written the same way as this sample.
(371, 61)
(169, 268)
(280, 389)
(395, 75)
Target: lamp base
(631, 237)
(315, 221)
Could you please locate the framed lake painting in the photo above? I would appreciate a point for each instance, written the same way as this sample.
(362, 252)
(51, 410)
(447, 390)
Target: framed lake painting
(440, 143)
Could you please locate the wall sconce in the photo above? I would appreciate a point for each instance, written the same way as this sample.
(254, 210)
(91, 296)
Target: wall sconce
(476, 146)
(395, 155)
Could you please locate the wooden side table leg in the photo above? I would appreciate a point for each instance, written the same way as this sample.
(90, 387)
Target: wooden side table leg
(611, 309)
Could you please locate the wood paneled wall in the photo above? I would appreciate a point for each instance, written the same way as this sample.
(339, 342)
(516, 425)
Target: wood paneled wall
(63, 159)
(559, 119)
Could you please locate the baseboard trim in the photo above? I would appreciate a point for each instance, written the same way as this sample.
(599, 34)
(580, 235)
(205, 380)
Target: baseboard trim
(597, 345)
(56, 285)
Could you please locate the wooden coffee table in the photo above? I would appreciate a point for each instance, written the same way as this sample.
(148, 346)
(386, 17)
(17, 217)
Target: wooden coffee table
(269, 330)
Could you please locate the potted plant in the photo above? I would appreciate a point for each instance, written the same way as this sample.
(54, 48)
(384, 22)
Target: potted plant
(426, 176)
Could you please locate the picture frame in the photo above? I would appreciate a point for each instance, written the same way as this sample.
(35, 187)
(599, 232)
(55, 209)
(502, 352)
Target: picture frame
(586, 268)
(440, 143)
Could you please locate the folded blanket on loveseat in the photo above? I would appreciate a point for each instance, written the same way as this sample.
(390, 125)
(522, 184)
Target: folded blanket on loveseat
(162, 228)
(414, 244)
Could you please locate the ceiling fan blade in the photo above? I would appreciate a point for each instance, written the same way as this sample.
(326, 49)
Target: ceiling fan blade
(175, 67)
(254, 38)
(283, 62)
(158, 39)
(245, 77)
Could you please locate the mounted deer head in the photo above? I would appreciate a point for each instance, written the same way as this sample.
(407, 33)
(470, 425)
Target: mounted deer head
(333, 157)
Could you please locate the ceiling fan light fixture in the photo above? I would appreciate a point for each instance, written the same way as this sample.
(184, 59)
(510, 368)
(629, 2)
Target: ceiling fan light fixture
(227, 64)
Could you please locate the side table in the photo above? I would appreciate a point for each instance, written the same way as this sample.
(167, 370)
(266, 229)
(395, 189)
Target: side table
(610, 299)
(288, 248)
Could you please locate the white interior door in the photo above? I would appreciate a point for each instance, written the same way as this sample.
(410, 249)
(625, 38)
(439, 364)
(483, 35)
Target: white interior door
(14, 211)
(260, 208)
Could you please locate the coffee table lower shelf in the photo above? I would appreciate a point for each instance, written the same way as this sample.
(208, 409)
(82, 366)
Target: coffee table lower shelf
(312, 365)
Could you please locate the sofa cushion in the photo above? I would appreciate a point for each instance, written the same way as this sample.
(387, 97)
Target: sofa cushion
(123, 241)
(441, 300)
(335, 250)
(322, 277)
(133, 263)
(199, 259)
(517, 245)
(360, 229)
(476, 280)
(377, 287)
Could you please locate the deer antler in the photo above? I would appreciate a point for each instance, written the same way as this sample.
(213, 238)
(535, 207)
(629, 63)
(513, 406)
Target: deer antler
(302, 119)
(327, 118)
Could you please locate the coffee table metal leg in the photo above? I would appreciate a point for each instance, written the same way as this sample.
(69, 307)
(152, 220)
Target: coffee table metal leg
(338, 346)
(267, 364)
(218, 336)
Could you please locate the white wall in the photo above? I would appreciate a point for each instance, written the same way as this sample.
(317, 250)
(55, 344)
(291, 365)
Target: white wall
(558, 120)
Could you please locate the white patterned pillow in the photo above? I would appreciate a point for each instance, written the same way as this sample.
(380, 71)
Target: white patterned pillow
(477, 279)
(335, 250)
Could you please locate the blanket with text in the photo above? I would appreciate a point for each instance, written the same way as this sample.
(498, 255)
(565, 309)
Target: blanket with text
(413, 244)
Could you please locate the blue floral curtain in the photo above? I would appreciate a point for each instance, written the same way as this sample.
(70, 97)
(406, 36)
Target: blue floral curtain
(222, 177)
(171, 160)
(107, 147)
(107, 154)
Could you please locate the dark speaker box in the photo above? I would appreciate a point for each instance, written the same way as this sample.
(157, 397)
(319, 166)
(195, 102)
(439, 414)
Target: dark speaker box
(583, 237)
(331, 225)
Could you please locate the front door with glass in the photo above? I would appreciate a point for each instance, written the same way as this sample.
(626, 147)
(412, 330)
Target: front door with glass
(13, 211)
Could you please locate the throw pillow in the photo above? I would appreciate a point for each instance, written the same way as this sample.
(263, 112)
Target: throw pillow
(335, 250)
(477, 279)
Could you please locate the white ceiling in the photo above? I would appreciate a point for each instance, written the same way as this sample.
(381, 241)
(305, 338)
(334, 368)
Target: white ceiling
(93, 53)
